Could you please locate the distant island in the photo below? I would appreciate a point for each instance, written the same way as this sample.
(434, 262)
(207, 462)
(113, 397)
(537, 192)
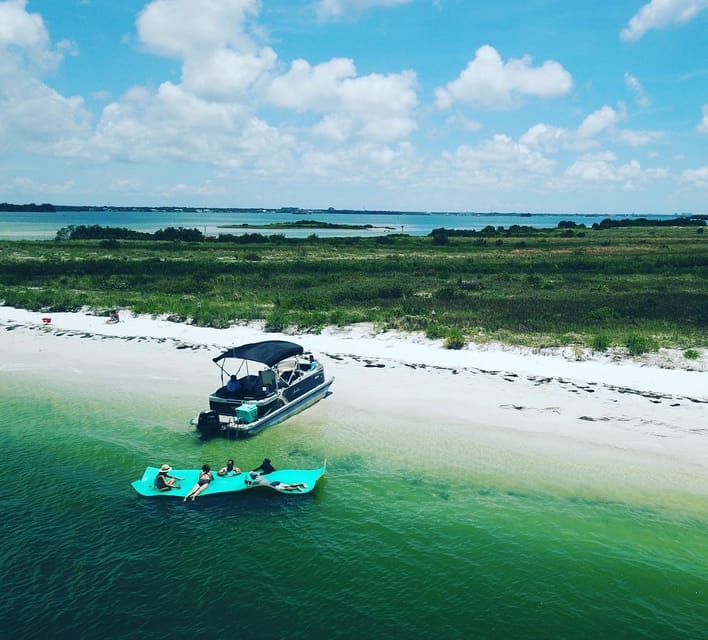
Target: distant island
(6, 206)
(302, 224)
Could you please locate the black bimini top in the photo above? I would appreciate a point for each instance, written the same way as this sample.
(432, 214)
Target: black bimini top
(268, 352)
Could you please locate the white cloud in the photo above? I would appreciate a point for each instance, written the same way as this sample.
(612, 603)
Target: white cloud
(491, 83)
(598, 121)
(601, 170)
(376, 106)
(552, 139)
(29, 186)
(221, 60)
(546, 137)
(182, 28)
(696, 177)
(173, 124)
(640, 96)
(459, 121)
(34, 116)
(498, 162)
(639, 138)
(332, 9)
(225, 74)
(658, 14)
(703, 126)
(600, 167)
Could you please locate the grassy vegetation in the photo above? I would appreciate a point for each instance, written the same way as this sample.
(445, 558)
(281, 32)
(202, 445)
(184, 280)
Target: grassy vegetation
(639, 288)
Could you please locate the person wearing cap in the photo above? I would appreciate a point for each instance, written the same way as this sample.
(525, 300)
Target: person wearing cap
(164, 480)
(266, 467)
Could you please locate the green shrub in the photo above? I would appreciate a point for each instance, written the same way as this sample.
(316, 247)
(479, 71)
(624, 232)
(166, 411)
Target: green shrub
(435, 332)
(600, 342)
(455, 339)
(637, 345)
(276, 321)
(691, 354)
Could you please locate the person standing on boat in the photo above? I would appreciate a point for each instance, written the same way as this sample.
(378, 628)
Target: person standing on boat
(229, 469)
(265, 467)
(164, 481)
(205, 477)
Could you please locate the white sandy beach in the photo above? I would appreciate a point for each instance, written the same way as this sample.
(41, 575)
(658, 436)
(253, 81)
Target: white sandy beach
(598, 413)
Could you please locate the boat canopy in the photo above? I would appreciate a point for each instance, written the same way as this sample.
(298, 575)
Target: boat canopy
(268, 352)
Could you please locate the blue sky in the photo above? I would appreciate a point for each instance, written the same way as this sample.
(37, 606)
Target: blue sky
(442, 105)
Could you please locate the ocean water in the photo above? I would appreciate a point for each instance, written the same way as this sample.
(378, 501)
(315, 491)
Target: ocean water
(391, 544)
(44, 225)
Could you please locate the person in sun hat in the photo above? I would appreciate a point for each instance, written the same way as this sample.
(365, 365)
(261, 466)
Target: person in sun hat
(164, 480)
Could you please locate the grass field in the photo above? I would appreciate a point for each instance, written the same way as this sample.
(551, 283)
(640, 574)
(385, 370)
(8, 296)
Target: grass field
(639, 287)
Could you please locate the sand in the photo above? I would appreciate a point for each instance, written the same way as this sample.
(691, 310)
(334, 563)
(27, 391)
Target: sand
(600, 412)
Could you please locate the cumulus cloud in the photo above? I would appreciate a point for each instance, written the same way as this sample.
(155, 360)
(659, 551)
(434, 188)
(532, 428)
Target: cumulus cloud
(27, 185)
(332, 9)
(598, 121)
(459, 121)
(34, 116)
(24, 35)
(179, 28)
(602, 170)
(547, 138)
(639, 138)
(640, 96)
(500, 162)
(703, 126)
(221, 60)
(228, 79)
(491, 83)
(658, 14)
(172, 124)
(552, 139)
(696, 177)
(376, 106)
(601, 167)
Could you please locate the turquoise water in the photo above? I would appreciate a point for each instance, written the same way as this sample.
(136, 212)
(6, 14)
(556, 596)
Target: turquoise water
(384, 548)
(44, 225)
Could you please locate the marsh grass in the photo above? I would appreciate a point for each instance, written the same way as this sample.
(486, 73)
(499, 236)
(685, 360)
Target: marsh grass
(633, 288)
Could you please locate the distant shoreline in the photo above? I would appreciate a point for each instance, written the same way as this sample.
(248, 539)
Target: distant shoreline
(56, 208)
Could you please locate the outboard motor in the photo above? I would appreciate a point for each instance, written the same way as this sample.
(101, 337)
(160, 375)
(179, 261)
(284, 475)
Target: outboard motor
(208, 424)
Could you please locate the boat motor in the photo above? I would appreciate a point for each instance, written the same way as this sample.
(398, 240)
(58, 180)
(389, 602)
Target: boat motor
(208, 424)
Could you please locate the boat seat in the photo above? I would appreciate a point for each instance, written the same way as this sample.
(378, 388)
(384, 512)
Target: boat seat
(267, 380)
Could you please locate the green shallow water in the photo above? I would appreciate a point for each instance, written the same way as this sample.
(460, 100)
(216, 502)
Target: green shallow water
(388, 545)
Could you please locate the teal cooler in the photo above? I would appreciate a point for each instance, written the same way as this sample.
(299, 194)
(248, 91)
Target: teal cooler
(247, 413)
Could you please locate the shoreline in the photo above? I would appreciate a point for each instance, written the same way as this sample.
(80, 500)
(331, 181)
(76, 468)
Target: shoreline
(620, 426)
(665, 372)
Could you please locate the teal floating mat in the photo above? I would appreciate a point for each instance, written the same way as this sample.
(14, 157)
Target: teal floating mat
(281, 481)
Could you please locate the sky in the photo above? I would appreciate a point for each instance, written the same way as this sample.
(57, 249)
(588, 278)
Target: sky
(558, 106)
